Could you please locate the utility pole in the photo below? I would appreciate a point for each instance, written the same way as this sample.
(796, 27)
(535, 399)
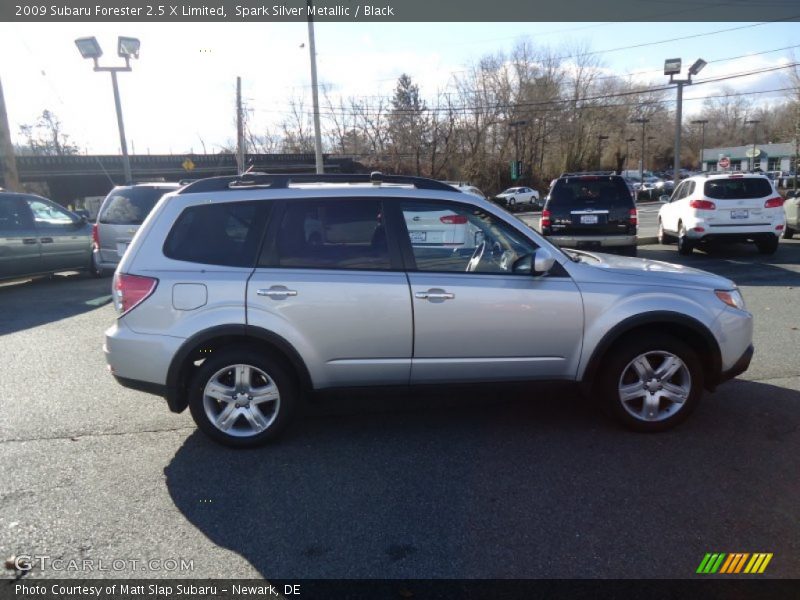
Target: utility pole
(7, 157)
(754, 123)
(314, 91)
(702, 123)
(628, 153)
(644, 123)
(239, 127)
(600, 139)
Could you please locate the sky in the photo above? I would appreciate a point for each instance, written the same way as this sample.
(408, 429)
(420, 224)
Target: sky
(180, 95)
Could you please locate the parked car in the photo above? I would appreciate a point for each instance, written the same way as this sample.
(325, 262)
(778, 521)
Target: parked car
(225, 307)
(466, 188)
(791, 208)
(122, 211)
(40, 237)
(515, 196)
(722, 208)
(591, 211)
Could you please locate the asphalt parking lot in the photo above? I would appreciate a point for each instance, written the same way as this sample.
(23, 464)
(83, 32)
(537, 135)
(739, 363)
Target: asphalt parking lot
(457, 483)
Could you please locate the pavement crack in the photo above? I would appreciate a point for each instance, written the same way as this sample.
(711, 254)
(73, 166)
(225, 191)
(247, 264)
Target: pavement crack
(76, 437)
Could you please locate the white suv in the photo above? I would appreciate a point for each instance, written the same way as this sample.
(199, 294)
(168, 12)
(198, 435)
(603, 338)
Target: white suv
(724, 207)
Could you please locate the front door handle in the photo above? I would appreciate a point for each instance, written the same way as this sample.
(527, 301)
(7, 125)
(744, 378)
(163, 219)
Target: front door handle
(46, 240)
(434, 295)
(277, 292)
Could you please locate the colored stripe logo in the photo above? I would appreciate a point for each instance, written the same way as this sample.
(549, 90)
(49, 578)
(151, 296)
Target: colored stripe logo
(734, 563)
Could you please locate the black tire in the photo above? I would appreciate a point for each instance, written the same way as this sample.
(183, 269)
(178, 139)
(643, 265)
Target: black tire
(685, 246)
(616, 370)
(512, 204)
(628, 250)
(276, 372)
(663, 237)
(94, 270)
(768, 246)
(788, 232)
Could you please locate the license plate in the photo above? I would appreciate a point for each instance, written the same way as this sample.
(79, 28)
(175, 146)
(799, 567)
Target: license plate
(121, 249)
(740, 214)
(417, 236)
(589, 219)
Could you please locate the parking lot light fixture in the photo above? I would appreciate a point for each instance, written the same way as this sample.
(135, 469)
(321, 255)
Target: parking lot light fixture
(672, 67)
(127, 48)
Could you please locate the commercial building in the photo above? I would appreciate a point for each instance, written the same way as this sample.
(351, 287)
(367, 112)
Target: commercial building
(767, 157)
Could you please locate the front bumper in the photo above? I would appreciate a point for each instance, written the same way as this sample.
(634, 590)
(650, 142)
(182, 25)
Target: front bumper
(740, 366)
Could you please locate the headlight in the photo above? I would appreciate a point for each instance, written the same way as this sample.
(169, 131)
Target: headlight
(732, 298)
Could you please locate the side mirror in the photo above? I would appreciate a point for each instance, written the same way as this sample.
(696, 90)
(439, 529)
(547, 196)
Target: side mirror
(663, 198)
(543, 261)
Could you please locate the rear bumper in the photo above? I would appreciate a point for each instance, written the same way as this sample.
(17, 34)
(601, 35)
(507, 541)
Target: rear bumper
(104, 263)
(139, 361)
(733, 236)
(599, 240)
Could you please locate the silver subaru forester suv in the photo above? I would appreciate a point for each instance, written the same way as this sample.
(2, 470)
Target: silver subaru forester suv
(239, 296)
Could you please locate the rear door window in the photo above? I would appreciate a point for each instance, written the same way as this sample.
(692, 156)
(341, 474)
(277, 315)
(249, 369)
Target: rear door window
(15, 216)
(738, 188)
(130, 206)
(227, 234)
(332, 234)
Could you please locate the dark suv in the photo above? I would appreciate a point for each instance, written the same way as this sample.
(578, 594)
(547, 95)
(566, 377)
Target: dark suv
(591, 211)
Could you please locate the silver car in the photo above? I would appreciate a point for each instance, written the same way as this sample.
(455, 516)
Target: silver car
(39, 237)
(228, 307)
(120, 215)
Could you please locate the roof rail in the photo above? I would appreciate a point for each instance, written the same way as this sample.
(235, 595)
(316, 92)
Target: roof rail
(276, 181)
(579, 173)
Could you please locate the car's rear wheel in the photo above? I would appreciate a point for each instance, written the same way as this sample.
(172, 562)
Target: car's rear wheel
(651, 382)
(769, 245)
(663, 237)
(685, 246)
(242, 398)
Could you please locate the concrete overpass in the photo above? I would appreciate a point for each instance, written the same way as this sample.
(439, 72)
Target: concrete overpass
(79, 176)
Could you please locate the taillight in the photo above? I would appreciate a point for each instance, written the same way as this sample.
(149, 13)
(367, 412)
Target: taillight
(702, 204)
(634, 217)
(775, 202)
(545, 218)
(131, 290)
(95, 236)
(453, 219)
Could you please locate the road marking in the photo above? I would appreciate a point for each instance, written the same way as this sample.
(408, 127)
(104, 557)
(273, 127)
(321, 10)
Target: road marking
(99, 301)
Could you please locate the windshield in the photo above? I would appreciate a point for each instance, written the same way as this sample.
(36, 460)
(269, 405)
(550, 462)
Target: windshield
(577, 191)
(130, 206)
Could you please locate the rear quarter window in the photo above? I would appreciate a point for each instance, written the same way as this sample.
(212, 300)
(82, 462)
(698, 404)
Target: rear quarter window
(227, 234)
(738, 189)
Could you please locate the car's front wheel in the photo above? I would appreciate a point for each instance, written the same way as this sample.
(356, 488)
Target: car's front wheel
(242, 398)
(651, 382)
(663, 237)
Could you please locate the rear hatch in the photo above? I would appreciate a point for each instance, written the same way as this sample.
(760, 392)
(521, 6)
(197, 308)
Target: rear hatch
(122, 212)
(740, 201)
(590, 205)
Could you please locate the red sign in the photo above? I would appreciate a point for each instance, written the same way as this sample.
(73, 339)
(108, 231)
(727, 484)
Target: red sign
(724, 162)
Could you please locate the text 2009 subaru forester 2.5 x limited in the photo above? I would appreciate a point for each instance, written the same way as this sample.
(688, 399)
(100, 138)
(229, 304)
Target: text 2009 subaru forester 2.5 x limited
(238, 296)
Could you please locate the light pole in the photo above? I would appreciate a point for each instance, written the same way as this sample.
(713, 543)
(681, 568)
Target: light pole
(650, 138)
(702, 123)
(628, 153)
(672, 67)
(127, 48)
(600, 139)
(644, 123)
(516, 125)
(754, 123)
(314, 91)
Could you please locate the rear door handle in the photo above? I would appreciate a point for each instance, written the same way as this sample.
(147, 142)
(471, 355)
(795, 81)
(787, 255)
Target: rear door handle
(277, 292)
(46, 240)
(28, 240)
(434, 295)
